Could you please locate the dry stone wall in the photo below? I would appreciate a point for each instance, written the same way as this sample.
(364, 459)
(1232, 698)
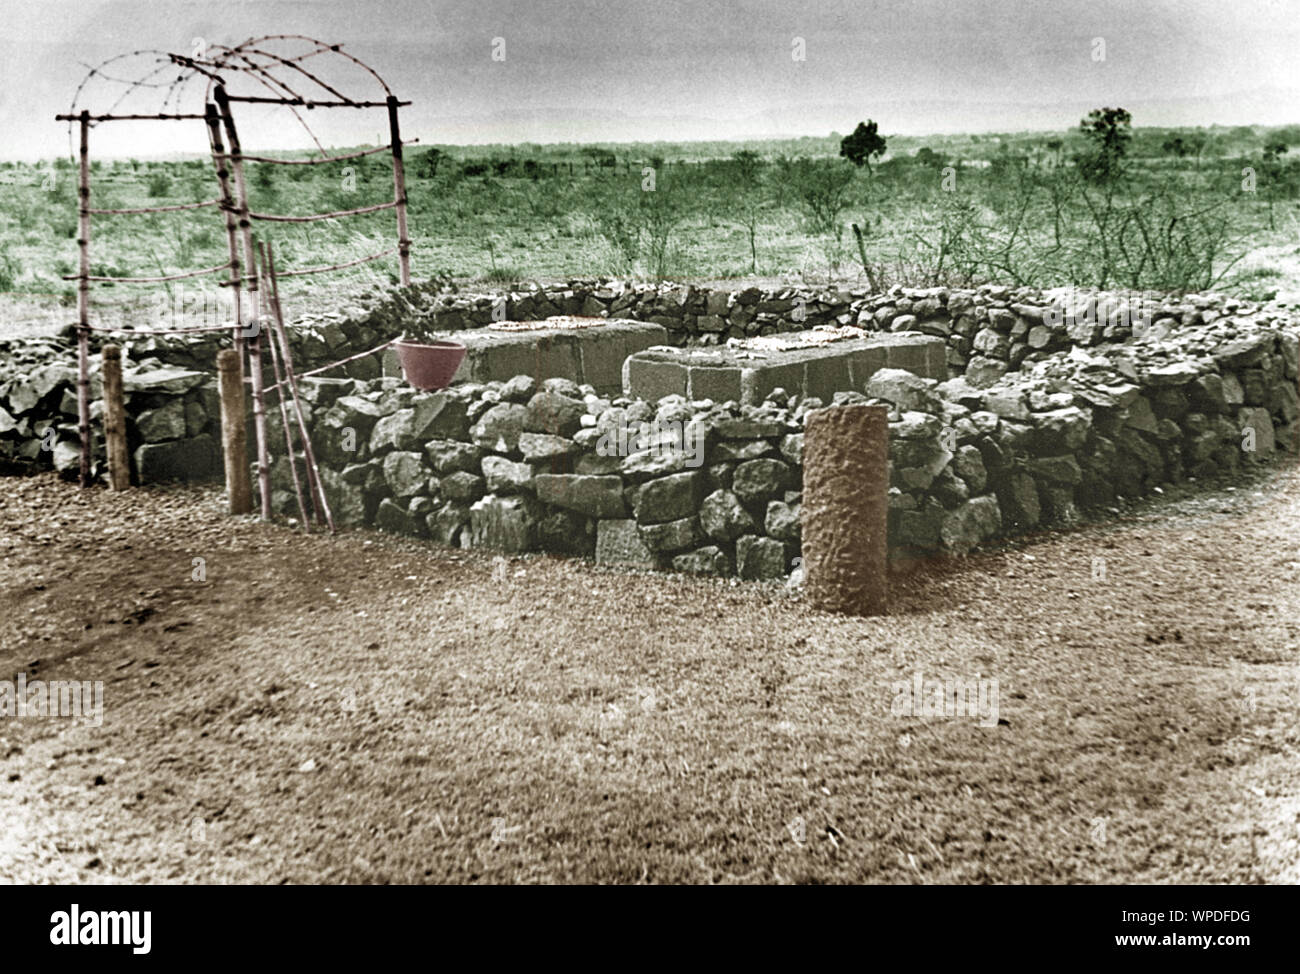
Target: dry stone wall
(716, 487)
(1101, 407)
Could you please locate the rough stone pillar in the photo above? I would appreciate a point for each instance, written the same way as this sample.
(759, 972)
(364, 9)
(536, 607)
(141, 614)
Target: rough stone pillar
(845, 509)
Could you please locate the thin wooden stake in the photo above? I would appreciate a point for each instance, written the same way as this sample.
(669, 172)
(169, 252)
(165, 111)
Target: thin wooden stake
(83, 302)
(234, 432)
(259, 421)
(288, 438)
(313, 471)
(399, 191)
(119, 463)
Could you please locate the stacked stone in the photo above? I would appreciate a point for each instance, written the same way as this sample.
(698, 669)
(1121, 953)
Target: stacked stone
(522, 466)
(173, 416)
(989, 330)
(1091, 414)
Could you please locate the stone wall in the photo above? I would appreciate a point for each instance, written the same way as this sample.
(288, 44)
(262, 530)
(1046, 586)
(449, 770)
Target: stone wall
(988, 330)
(522, 466)
(173, 414)
(1101, 410)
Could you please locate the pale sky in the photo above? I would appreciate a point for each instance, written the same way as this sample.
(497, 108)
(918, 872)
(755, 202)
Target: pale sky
(618, 70)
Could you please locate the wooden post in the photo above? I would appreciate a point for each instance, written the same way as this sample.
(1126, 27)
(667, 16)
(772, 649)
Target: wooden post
(250, 261)
(232, 232)
(846, 508)
(83, 302)
(399, 190)
(119, 463)
(234, 434)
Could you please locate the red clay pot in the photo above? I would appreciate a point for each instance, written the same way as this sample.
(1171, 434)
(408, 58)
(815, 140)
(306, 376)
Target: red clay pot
(430, 365)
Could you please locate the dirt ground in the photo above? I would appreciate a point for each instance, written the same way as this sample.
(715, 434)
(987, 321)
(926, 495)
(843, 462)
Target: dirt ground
(370, 709)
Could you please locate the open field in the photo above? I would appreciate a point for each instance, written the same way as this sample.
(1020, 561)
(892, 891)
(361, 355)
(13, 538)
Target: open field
(364, 709)
(944, 210)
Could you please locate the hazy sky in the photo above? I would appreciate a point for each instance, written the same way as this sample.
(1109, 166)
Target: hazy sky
(682, 69)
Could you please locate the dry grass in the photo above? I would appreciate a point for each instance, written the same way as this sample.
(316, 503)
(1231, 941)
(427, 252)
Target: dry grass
(473, 719)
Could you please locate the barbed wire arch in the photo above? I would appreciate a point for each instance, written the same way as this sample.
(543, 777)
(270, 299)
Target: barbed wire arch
(271, 63)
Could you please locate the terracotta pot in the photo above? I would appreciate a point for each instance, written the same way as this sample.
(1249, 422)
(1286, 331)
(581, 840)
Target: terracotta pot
(430, 365)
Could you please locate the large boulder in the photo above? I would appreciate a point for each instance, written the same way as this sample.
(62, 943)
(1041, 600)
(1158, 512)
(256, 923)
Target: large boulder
(757, 480)
(904, 389)
(782, 521)
(405, 473)
(539, 447)
(396, 519)
(448, 456)
(164, 423)
(671, 535)
(1257, 440)
(1018, 502)
(709, 560)
(446, 523)
(759, 558)
(594, 496)
(499, 428)
(973, 522)
(346, 497)
(506, 476)
(552, 412)
(668, 498)
(723, 517)
(566, 532)
(619, 543)
(434, 416)
(193, 458)
(353, 412)
(503, 524)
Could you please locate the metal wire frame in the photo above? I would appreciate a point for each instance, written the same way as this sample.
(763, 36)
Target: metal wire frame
(160, 209)
(317, 162)
(149, 280)
(190, 68)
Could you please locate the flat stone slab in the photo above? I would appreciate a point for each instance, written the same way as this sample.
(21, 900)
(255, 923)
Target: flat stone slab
(590, 351)
(748, 374)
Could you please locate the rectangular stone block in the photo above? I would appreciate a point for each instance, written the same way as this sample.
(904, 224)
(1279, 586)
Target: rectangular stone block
(619, 543)
(826, 375)
(602, 350)
(912, 356)
(651, 378)
(717, 382)
(497, 357)
(595, 496)
(757, 383)
(389, 364)
(816, 367)
(936, 361)
(589, 354)
(864, 363)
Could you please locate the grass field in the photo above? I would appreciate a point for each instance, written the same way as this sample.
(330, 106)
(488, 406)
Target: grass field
(370, 709)
(942, 210)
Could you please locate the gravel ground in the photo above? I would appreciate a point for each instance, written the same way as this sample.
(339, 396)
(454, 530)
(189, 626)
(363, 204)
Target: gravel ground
(371, 709)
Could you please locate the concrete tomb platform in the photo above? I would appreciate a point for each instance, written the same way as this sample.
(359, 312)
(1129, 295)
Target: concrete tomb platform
(746, 372)
(586, 350)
